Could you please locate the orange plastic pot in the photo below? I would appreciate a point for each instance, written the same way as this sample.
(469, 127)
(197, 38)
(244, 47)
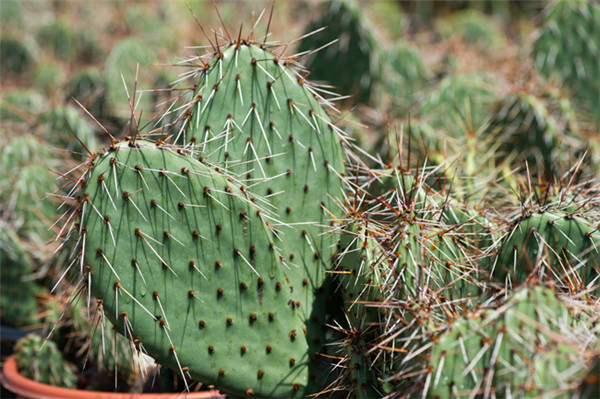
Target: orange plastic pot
(29, 389)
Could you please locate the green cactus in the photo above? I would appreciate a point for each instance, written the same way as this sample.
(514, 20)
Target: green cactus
(16, 56)
(568, 47)
(22, 106)
(537, 127)
(19, 291)
(66, 127)
(554, 245)
(197, 281)
(406, 75)
(253, 116)
(87, 340)
(48, 77)
(25, 192)
(88, 86)
(358, 271)
(526, 347)
(355, 45)
(60, 38)
(474, 28)
(42, 361)
(122, 65)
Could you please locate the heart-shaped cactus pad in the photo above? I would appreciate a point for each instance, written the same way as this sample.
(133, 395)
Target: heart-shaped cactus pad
(184, 263)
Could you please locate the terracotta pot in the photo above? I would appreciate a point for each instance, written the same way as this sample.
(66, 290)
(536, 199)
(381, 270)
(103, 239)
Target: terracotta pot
(29, 389)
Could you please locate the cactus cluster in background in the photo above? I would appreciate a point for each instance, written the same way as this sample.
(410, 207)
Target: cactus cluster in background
(568, 47)
(447, 246)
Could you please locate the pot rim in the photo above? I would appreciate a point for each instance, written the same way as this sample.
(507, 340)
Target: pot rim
(20, 385)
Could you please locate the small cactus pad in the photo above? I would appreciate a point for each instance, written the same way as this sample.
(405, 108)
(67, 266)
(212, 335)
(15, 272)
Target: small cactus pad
(552, 245)
(184, 265)
(42, 361)
(525, 348)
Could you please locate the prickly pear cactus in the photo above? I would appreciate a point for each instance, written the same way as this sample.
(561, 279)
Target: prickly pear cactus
(536, 127)
(359, 275)
(354, 45)
(568, 47)
(552, 245)
(256, 118)
(184, 264)
(18, 302)
(527, 346)
(42, 361)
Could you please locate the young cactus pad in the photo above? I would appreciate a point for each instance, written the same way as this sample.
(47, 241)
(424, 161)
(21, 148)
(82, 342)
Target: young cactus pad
(182, 262)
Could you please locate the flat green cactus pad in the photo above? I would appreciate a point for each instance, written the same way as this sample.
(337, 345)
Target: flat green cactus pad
(184, 264)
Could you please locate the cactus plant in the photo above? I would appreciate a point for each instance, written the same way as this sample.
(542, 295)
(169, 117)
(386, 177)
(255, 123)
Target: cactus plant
(568, 47)
(18, 295)
(194, 242)
(551, 244)
(228, 243)
(16, 57)
(122, 65)
(527, 346)
(262, 122)
(358, 278)
(538, 127)
(60, 38)
(41, 361)
(88, 86)
(354, 45)
(474, 28)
